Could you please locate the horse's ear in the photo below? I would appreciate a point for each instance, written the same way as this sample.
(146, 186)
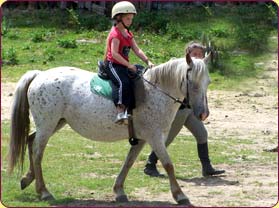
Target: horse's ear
(189, 60)
(207, 57)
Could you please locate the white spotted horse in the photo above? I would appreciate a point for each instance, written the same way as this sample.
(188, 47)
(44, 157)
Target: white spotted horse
(62, 95)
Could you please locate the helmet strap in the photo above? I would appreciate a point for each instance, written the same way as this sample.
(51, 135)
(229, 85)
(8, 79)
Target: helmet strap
(120, 21)
(127, 28)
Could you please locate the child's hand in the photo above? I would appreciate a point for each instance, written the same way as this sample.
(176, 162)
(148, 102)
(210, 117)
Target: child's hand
(150, 64)
(133, 68)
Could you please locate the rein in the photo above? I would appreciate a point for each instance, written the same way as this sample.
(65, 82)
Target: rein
(185, 102)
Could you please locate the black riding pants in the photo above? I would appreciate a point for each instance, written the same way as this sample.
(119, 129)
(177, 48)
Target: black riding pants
(123, 86)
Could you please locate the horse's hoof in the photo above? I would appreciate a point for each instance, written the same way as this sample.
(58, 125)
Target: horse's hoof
(122, 199)
(23, 184)
(47, 197)
(185, 202)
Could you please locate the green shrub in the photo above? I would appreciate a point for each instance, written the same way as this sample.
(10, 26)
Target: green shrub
(252, 36)
(10, 57)
(5, 26)
(83, 20)
(37, 37)
(73, 19)
(185, 34)
(252, 25)
(13, 36)
(151, 21)
(26, 47)
(67, 43)
(49, 55)
(94, 21)
(220, 31)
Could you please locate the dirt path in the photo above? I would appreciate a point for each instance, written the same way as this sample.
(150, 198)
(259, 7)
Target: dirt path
(7, 90)
(246, 115)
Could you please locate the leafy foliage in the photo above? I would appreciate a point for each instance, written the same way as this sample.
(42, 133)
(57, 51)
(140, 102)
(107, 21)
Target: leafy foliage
(37, 37)
(67, 43)
(238, 32)
(152, 21)
(10, 57)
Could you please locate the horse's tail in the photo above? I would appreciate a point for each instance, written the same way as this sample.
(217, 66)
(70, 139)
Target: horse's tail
(20, 122)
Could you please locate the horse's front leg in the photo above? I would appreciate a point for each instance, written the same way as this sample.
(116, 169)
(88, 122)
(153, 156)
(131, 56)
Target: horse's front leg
(119, 182)
(160, 149)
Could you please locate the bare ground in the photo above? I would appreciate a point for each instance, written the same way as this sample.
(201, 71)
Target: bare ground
(249, 114)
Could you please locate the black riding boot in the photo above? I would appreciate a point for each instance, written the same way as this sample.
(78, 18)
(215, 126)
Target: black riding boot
(150, 167)
(207, 169)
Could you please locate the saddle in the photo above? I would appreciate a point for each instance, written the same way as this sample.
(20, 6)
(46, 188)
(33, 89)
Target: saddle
(102, 72)
(102, 85)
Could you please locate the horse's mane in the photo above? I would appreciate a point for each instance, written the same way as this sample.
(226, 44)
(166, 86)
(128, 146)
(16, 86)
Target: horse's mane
(164, 74)
(175, 69)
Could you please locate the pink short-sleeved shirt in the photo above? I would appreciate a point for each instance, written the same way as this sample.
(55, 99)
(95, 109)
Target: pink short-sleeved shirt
(125, 44)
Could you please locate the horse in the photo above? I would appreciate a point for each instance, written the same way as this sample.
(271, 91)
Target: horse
(62, 95)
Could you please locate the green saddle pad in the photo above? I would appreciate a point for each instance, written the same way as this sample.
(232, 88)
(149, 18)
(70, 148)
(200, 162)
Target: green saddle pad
(101, 87)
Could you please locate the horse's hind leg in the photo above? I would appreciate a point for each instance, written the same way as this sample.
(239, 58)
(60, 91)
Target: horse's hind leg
(30, 175)
(39, 145)
(161, 152)
(44, 132)
(119, 182)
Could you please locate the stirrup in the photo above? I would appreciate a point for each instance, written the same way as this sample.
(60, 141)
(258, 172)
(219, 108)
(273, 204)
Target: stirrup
(122, 118)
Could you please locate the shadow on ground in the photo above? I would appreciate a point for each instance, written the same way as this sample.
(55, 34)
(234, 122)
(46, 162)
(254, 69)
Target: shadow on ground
(106, 203)
(210, 181)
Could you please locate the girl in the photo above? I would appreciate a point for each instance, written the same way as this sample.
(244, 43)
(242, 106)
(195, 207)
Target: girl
(119, 42)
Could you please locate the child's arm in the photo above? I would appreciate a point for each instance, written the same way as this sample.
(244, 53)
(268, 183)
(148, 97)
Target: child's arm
(140, 53)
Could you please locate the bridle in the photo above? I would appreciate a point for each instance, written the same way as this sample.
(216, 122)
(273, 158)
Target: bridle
(185, 102)
(132, 139)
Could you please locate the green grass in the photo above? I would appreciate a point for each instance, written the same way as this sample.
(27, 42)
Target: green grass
(77, 168)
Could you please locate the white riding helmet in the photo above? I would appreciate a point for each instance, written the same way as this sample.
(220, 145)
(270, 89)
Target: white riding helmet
(123, 7)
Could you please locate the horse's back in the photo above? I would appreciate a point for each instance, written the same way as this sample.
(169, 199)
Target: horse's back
(64, 92)
(58, 80)
(48, 92)
(65, 73)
